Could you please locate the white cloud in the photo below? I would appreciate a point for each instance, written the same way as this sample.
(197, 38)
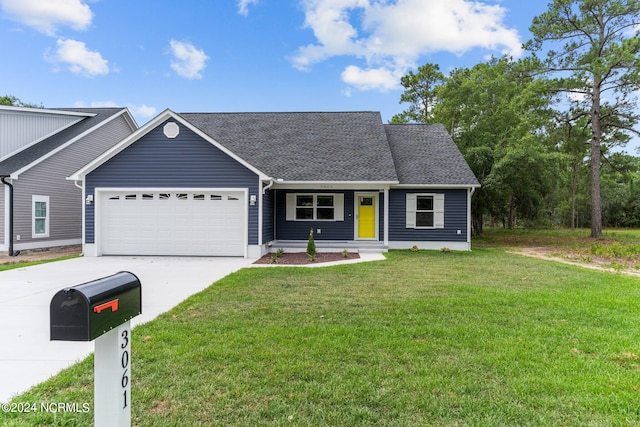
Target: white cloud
(243, 6)
(391, 36)
(188, 61)
(372, 78)
(79, 59)
(47, 16)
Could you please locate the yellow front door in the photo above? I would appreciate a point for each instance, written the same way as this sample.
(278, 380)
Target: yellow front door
(366, 217)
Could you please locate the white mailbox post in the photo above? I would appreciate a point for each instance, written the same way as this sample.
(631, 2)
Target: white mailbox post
(102, 310)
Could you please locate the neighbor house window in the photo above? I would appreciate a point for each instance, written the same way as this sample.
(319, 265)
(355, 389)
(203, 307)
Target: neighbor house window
(425, 210)
(41, 212)
(315, 207)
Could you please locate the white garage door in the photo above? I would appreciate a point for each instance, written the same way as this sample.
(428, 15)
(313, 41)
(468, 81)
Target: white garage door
(172, 222)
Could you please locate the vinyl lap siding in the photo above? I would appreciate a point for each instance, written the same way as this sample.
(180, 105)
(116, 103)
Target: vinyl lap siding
(187, 161)
(48, 178)
(455, 217)
(299, 230)
(20, 129)
(268, 216)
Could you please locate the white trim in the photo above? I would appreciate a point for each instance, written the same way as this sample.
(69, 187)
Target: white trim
(333, 185)
(436, 186)
(47, 218)
(84, 214)
(89, 249)
(144, 130)
(426, 245)
(356, 221)
(46, 111)
(259, 196)
(96, 250)
(41, 244)
(291, 203)
(386, 217)
(130, 121)
(469, 194)
(411, 210)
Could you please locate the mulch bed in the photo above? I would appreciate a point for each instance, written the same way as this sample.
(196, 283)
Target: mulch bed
(301, 258)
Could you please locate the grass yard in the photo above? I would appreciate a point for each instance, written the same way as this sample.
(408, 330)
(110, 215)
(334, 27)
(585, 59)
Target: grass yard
(485, 338)
(21, 264)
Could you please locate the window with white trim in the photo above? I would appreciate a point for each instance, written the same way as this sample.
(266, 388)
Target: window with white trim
(40, 216)
(315, 207)
(425, 210)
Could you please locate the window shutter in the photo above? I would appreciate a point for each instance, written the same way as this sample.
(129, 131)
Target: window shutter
(338, 206)
(291, 206)
(438, 207)
(411, 211)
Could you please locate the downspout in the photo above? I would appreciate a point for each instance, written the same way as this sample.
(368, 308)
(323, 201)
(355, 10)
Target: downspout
(8, 184)
(271, 182)
(264, 191)
(471, 191)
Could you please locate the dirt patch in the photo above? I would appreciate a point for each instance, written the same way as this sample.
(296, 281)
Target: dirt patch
(301, 258)
(572, 258)
(40, 254)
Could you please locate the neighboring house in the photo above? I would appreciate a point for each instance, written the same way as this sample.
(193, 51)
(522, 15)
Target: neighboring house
(244, 184)
(39, 148)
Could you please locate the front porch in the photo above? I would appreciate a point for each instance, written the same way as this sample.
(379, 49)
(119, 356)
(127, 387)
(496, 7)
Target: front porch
(359, 246)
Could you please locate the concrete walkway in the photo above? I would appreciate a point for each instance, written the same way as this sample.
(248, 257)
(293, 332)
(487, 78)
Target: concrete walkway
(28, 357)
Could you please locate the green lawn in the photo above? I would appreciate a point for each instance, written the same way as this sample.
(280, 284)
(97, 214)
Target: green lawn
(484, 338)
(19, 264)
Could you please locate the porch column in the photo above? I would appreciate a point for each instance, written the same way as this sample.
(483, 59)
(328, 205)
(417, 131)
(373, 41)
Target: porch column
(386, 217)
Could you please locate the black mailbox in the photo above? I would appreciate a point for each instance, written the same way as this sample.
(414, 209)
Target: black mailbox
(86, 311)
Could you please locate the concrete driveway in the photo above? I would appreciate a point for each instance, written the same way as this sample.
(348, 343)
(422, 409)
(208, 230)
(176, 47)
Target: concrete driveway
(28, 357)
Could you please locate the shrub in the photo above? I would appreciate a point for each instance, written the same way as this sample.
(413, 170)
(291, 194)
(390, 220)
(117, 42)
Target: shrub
(311, 247)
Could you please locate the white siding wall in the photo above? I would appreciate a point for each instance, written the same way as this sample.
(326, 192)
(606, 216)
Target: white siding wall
(19, 129)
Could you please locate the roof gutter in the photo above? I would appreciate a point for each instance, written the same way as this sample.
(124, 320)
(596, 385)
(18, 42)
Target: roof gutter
(8, 184)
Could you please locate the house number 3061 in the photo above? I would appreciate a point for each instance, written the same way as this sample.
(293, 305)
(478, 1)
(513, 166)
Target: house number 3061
(124, 362)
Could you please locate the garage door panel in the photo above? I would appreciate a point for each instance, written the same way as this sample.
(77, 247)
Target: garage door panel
(173, 223)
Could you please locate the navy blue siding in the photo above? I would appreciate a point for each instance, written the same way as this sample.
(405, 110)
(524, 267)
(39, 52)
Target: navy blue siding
(267, 216)
(299, 230)
(455, 217)
(186, 161)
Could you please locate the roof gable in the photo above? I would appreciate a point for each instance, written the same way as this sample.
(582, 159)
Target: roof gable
(425, 154)
(144, 130)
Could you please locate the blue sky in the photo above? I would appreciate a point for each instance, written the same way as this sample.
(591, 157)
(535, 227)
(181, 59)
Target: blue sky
(244, 55)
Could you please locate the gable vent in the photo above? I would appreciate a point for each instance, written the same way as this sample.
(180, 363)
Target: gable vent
(171, 130)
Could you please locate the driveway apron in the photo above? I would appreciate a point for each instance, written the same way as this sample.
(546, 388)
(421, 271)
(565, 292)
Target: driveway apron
(28, 357)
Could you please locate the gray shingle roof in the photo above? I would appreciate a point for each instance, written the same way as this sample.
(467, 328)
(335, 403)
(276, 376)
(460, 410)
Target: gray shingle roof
(338, 146)
(425, 154)
(33, 153)
(305, 146)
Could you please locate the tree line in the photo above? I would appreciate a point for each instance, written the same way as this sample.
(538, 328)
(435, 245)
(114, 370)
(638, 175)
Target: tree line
(544, 133)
